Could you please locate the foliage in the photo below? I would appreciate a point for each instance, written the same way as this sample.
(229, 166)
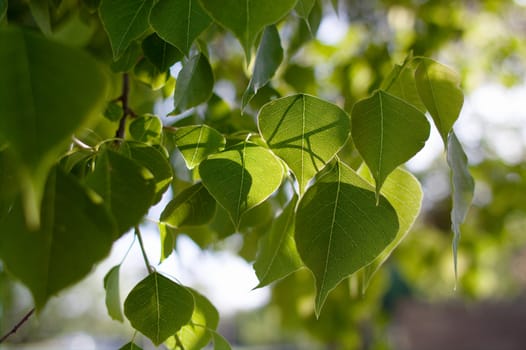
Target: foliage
(320, 178)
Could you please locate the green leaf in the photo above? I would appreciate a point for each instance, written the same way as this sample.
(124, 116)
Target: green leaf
(438, 87)
(194, 83)
(48, 92)
(196, 335)
(341, 228)
(124, 21)
(220, 343)
(401, 83)
(241, 177)
(192, 207)
(305, 29)
(167, 236)
(462, 189)
(3, 9)
(113, 111)
(304, 7)
(197, 142)
(179, 22)
(130, 346)
(40, 12)
(128, 59)
(268, 59)
(146, 128)
(305, 132)
(278, 256)
(75, 232)
(8, 182)
(405, 194)
(160, 53)
(158, 307)
(127, 187)
(387, 132)
(146, 72)
(251, 16)
(113, 297)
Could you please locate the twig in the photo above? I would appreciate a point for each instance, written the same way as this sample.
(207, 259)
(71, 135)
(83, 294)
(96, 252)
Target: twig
(141, 244)
(126, 111)
(18, 325)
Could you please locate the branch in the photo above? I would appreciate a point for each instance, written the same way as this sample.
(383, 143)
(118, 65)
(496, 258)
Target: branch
(126, 111)
(18, 325)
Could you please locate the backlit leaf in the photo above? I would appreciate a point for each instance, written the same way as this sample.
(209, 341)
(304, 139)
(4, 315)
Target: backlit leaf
(167, 236)
(401, 83)
(438, 87)
(162, 54)
(241, 177)
(146, 128)
(147, 73)
(305, 132)
(462, 188)
(124, 21)
(341, 228)
(387, 132)
(192, 207)
(268, 59)
(194, 83)
(251, 16)
(75, 233)
(48, 92)
(405, 194)
(220, 343)
(113, 297)
(158, 307)
(130, 346)
(278, 256)
(179, 22)
(197, 142)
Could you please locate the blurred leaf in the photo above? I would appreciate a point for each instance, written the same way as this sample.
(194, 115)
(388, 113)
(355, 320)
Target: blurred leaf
(401, 83)
(305, 132)
(124, 22)
(3, 9)
(268, 59)
(146, 128)
(305, 30)
(40, 11)
(251, 16)
(160, 53)
(158, 307)
(462, 187)
(241, 177)
(113, 297)
(146, 72)
(304, 7)
(387, 132)
(113, 111)
(220, 343)
(301, 78)
(438, 87)
(179, 22)
(167, 237)
(278, 257)
(194, 83)
(197, 142)
(128, 59)
(341, 227)
(130, 346)
(75, 232)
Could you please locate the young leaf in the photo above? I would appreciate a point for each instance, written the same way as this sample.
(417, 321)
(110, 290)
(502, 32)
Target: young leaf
(167, 236)
(158, 307)
(387, 132)
(197, 142)
(124, 21)
(48, 93)
(76, 232)
(401, 83)
(305, 132)
(127, 187)
(194, 83)
(340, 228)
(251, 16)
(179, 22)
(160, 53)
(438, 87)
(241, 177)
(405, 194)
(268, 59)
(462, 187)
(113, 297)
(146, 128)
(130, 346)
(194, 206)
(278, 256)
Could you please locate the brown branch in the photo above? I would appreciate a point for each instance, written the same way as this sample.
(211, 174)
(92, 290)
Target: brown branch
(18, 325)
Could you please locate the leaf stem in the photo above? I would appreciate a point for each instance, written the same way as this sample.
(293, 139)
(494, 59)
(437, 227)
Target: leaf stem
(141, 244)
(18, 325)
(178, 342)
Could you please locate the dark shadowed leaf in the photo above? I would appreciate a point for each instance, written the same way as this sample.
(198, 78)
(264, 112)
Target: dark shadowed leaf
(162, 54)
(147, 73)
(128, 59)
(40, 12)
(194, 83)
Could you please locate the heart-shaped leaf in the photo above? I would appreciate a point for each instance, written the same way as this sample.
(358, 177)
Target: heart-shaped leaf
(305, 132)
(194, 83)
(387, 132)
(48, 92)
(124, 21)
(113, 297)
(241, 177)
(251, 16)
(197, 142)
(341, 228)
(146, 128)
(278, 256)
(179, 22)
(438, 87)
(158, 307)
(76, 231)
